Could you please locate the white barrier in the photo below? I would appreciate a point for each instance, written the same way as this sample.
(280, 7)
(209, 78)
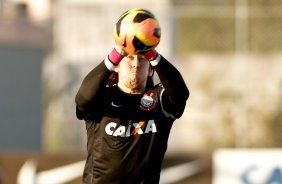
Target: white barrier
(59, 175)
(247, 166)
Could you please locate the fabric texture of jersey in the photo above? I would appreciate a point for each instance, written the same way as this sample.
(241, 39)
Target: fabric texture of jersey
(127, 134)
(130, 141)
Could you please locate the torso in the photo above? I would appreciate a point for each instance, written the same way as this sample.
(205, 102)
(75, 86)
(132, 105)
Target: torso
(128, 138)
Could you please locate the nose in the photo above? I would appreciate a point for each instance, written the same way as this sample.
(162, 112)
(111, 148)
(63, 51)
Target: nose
(135, 62)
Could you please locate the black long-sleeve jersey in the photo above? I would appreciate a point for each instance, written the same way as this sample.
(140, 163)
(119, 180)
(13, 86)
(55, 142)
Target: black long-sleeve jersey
(127, 134)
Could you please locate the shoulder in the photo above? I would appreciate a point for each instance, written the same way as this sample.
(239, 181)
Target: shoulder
(155, 93)
(157, 88)
(158, 92)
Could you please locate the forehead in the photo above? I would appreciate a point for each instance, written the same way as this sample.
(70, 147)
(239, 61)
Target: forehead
(139, 56)
(130, 59)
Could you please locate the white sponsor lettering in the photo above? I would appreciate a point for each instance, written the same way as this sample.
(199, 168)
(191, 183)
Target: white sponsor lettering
(151, 127)
(120, 131)
(140, 128)
(110, 128)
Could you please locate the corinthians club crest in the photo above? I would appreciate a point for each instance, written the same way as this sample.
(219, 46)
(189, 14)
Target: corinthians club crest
(148, 102)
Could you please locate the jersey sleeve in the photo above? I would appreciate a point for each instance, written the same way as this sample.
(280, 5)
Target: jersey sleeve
(91, 90)
(175, 92)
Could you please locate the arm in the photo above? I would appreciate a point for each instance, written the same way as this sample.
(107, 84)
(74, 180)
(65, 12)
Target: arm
(94, 83)
(176, 92)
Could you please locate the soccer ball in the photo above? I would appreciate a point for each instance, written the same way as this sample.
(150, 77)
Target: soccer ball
(137, 31)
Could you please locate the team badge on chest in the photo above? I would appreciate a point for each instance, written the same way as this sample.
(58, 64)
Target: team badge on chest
(147, 102)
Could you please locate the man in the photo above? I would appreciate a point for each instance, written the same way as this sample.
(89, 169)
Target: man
(128, 122)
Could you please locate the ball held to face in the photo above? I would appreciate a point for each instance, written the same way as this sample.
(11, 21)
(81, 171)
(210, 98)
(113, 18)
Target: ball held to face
(137, 31)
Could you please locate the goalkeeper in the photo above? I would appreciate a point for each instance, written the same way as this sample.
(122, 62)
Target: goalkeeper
(128, 118)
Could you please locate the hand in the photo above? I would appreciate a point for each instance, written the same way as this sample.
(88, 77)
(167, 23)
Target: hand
(116, 55)
(153, 56)
(120, 50)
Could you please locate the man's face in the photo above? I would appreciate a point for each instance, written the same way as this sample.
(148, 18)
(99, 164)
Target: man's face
(133, 72)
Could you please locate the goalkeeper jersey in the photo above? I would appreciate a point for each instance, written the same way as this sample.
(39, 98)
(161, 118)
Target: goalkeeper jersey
(127, 134)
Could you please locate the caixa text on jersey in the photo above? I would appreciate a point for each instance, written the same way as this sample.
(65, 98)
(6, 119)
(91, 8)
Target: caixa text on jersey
(141, 127)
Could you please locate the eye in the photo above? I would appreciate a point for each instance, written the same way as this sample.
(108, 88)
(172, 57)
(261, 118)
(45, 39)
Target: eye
(131, 57)
(141, 58)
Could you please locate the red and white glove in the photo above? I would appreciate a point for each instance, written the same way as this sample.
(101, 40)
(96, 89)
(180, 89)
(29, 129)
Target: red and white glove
(114, 58)
(117, 54)
(153, 57)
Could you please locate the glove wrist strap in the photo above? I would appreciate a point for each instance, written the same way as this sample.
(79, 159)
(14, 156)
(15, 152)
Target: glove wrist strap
(115, 57)
(151, 55)
(154, 57)
(156, 60)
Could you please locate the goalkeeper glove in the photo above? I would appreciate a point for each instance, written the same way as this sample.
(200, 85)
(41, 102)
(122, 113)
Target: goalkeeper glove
(114, 58)
(153, 57)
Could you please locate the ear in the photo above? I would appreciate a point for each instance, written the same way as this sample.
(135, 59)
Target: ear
(116, 69)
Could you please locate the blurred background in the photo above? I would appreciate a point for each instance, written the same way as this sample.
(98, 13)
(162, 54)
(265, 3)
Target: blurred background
(229, 52)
